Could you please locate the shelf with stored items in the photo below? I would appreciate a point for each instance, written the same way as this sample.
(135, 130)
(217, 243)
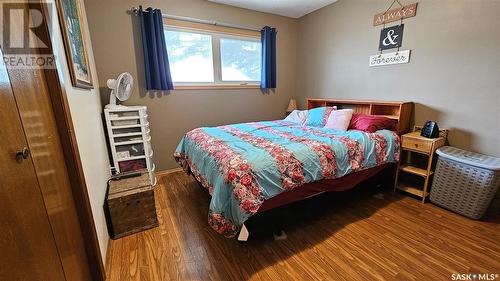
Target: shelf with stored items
(415, 169)
(129, 138)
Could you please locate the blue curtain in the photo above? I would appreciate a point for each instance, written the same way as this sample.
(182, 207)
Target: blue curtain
(268, 38)
(155, 50)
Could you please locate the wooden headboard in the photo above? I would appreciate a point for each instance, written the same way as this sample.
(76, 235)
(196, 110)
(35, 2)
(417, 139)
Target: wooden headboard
(399, 111)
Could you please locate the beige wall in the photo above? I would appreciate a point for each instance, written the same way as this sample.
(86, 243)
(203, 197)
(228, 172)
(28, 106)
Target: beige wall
(453, 76)
(117, 48)
(86, 109)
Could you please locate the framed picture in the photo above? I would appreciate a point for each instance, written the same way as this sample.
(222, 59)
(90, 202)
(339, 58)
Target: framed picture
(70, 18)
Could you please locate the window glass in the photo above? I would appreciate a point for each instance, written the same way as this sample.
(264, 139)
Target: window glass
(240, 60)
(190, 56)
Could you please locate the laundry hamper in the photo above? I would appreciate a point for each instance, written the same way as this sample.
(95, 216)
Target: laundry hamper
(465, 182)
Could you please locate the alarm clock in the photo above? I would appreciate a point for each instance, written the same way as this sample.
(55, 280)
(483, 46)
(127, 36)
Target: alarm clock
(430, 130)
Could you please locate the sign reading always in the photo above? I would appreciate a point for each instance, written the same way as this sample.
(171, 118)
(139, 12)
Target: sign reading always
(395, 14)
(390, 58)
(391, 37)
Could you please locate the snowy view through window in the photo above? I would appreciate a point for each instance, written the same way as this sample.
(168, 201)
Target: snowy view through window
(240, 60)
(191, 58)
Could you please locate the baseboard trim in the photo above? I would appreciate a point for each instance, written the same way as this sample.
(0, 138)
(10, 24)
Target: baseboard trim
(107, 265)
(169, 171)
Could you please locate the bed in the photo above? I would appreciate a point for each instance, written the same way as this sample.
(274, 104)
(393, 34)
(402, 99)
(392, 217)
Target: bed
(254, 167)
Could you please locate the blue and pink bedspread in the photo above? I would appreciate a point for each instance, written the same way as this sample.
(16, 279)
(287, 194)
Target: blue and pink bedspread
(244, 164)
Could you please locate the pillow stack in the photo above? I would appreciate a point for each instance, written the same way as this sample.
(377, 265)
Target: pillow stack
(340, 119)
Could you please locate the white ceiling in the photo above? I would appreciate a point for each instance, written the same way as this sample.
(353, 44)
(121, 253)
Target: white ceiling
(288, 8)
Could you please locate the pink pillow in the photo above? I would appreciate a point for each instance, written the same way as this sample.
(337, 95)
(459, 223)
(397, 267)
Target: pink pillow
(371, 123)
(339, 119)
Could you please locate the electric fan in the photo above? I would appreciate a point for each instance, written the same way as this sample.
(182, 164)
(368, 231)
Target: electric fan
(121, 89)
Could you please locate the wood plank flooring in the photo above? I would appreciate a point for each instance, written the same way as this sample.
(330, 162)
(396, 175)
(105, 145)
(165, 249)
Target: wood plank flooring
(356, 235)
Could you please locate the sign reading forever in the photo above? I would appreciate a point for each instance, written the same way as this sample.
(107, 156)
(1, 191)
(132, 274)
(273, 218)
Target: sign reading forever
(391, 37)
(395, 14)
(390, 58)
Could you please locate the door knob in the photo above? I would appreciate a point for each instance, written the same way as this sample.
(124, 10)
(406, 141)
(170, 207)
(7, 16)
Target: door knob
(24, 153)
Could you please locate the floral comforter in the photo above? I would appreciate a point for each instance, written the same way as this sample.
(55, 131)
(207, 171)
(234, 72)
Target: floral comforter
(244, 164)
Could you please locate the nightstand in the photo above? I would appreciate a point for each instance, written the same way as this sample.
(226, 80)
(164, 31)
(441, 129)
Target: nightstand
(413, 176)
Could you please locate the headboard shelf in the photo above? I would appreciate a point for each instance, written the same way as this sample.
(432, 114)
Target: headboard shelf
(397, 110)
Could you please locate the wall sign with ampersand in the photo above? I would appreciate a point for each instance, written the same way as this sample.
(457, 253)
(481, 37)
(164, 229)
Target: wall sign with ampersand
(391, 37)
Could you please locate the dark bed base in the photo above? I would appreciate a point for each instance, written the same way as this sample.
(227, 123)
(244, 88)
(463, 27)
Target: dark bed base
(312, 189)
(384, 174)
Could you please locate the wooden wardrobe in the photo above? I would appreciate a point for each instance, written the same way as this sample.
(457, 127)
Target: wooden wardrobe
(46, 226)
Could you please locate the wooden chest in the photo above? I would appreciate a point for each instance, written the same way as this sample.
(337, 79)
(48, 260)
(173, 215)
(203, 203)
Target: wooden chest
(130, 206)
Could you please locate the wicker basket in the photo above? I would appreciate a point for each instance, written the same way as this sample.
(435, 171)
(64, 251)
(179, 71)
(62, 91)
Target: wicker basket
(465, 182)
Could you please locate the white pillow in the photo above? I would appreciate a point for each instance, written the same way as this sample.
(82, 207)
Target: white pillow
(297, 116)
(339, 119)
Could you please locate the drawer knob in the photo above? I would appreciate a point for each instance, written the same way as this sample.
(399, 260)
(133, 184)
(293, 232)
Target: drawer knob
(416, 144)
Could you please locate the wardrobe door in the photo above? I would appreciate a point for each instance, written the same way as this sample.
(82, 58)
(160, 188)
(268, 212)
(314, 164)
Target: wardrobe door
(34, 101)
(27, 246)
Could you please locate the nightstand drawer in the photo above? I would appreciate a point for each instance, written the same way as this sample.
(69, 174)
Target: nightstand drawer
(418, 145)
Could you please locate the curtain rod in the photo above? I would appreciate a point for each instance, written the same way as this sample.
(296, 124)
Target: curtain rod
(135, 11)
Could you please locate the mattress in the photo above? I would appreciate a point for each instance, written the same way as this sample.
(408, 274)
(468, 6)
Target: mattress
(243, 165)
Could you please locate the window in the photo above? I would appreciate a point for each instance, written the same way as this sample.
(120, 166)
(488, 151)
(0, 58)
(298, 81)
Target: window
(208, 56)
(240, 60)
(190, 56)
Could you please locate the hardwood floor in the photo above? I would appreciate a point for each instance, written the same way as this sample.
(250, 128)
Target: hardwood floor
(356, 235)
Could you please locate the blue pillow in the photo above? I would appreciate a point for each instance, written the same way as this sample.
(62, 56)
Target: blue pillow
(318, 116)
